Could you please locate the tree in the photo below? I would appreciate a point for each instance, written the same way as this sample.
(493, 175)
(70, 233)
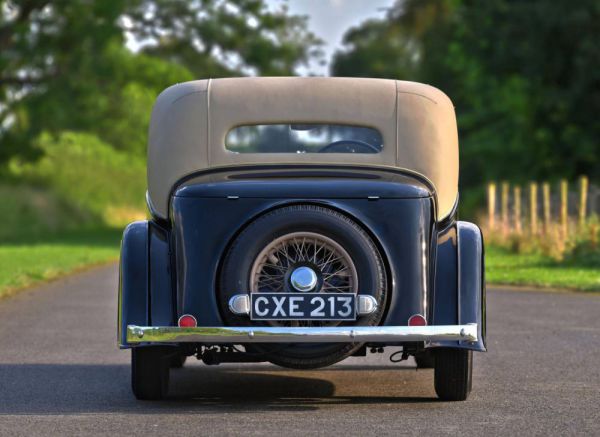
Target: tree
(64, 64)
(376, 49)
(522, 74)
(217, 37)
(532, 85)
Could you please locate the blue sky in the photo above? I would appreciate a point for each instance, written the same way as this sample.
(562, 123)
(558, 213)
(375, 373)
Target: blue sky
(329, 20)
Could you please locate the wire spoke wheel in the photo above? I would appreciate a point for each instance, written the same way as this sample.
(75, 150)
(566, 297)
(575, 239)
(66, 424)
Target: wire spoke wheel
(303, 249)
(331, 261)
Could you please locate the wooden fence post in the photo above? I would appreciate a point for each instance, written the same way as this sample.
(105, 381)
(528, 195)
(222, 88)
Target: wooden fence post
(491, 206)
(533, 188)
(517, 209)
(504, 209)
(583, 192)
(564, 207)
(546, 206)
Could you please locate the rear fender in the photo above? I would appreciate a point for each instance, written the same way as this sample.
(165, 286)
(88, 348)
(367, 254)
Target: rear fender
(133, 306)
(459, 296)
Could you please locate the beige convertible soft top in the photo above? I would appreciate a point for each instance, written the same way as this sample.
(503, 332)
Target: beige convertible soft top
(190, 120)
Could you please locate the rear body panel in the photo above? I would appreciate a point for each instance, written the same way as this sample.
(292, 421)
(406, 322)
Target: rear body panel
(203, 228)
(207, 213)
(428, 272)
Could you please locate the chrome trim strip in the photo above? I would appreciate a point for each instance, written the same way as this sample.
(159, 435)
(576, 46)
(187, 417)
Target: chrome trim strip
(271, 334)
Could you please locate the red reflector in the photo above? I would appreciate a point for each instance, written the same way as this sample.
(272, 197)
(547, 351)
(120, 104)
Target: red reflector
(187, 321)
(417, 320)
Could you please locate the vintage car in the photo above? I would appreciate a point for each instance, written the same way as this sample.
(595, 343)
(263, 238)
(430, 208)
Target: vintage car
(301, 221)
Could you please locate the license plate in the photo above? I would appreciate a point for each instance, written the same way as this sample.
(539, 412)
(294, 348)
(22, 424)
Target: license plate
(297, 306)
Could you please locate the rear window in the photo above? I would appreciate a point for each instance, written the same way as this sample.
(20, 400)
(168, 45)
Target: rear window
(303, 138)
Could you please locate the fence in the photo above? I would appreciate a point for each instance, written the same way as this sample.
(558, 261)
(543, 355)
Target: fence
(536, 207)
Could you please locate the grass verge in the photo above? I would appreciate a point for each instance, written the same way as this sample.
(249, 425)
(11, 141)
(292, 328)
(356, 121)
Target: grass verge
(27, 261)
(506, 268)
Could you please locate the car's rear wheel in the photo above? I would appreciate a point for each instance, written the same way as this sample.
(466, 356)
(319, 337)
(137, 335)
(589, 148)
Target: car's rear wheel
(453, 373)
(150, 372)
(340, 253)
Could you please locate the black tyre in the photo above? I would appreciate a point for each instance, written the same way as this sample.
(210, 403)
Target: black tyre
(150, 372)
(425, 359)
(308, 224)
(453, 373)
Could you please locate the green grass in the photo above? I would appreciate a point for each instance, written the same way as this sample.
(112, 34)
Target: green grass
(504, 267)
(28, 261)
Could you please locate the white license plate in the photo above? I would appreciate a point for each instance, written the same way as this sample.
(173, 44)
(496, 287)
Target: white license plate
(303, 306)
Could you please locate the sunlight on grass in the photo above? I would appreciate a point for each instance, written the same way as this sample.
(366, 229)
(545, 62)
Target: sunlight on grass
(504, 267)
(30, 262)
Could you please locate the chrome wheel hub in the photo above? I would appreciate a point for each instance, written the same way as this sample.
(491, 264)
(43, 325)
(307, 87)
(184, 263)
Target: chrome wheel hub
(303, 279)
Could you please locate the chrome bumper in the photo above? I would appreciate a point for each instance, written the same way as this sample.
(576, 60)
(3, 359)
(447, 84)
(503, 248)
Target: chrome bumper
(259, 334)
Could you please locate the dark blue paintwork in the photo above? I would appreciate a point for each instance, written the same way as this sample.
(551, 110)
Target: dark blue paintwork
(133, 279)
(162, 299)
(204, 227)
(459, 294)
(471, 281)
(444, 302)
(169, 269)
(305, 184)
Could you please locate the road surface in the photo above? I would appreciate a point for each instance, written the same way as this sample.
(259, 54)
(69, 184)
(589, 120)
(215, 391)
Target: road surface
(61, 374)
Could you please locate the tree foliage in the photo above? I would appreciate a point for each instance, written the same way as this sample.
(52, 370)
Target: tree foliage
(66, 65)
(523, 75)
(87, 173)
(220, 38)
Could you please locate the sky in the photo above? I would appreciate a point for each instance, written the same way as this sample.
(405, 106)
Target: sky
(329, 20)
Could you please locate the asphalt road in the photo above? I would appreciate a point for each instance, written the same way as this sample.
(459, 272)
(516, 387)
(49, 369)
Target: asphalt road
(61, 374)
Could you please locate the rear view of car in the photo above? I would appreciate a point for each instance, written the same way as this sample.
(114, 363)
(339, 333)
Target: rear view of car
(300, 221)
